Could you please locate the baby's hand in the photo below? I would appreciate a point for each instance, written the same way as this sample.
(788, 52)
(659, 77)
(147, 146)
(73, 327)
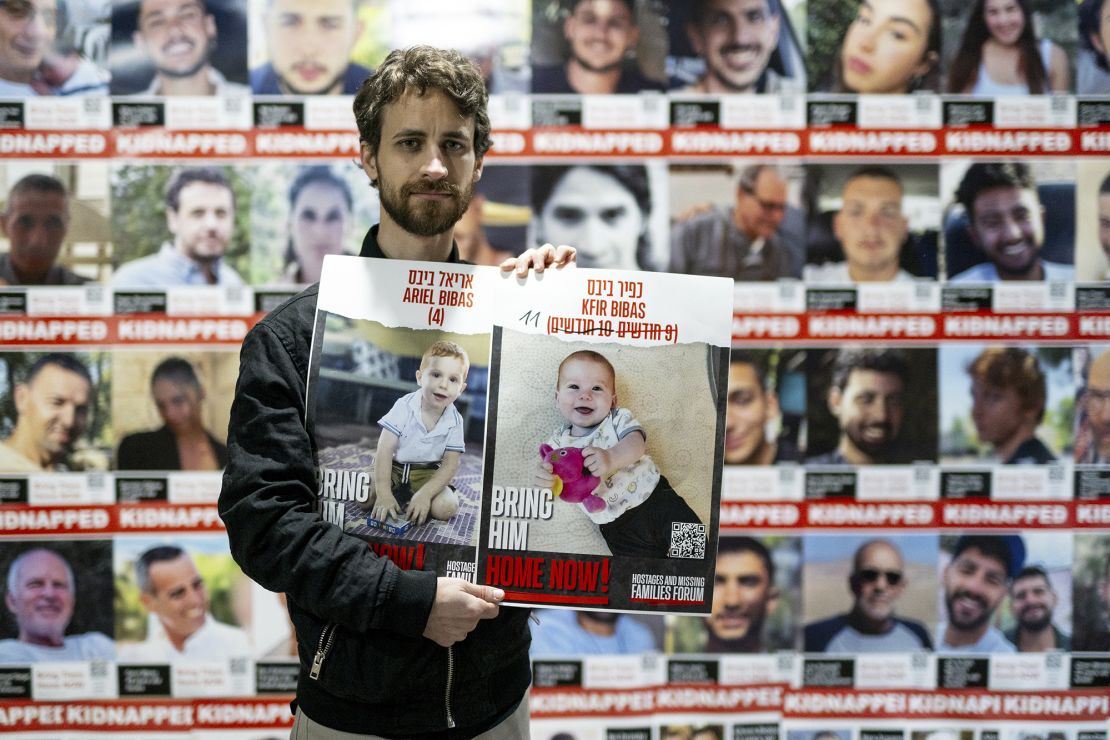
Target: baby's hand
(598, 461)
(545, 475)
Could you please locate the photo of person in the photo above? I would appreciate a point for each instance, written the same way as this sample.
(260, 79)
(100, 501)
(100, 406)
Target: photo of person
(1092, 71)
(765, 407)
(1092, 210)
(299, 214)
(756, 600)
(1038, 613)
(977, 571)
(736, 46)
(54, 412)
(171, 410)
(1091, 578)
(1006, 405)
(743, 221)
(996, 50)
(889, 605)
(407, 408)
(174, 600)
(1009, 221)
(568, 632)
(596, 47)
(860, 400)
(179, 226)
(874, 46)
(54, 223)
(613, 214)
(58, 602)
(871, 223)
(495, 225)
(1092, 404)
(306, 47)
(654, 462)
(55, 47)
(179, 47)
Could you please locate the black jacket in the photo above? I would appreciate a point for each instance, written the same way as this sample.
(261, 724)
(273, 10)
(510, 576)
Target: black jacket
(379, 675)
(157, 450)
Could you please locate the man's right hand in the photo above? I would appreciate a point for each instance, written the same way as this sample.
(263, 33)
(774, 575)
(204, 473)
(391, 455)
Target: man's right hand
(458, 607)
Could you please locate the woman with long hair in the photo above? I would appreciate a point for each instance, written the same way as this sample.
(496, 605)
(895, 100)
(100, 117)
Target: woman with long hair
(320, 206)
(891, 46)
(1000, 55)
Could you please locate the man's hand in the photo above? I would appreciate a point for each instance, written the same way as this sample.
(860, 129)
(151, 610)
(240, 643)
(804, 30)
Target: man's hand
(458, 607)
(420, 506)
(539, 258)
(384, 505)
(598, 461)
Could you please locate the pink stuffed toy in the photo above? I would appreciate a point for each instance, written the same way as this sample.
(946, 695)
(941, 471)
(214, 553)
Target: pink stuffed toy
(573, 483)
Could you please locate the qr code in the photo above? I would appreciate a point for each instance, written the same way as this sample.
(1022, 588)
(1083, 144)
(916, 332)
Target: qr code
(687, 541)
(98, 669)
(238, 666)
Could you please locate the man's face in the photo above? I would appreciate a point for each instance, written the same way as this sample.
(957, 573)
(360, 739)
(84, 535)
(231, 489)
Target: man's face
(974, 584)
(878, 581)
(870, 410)
(742, 597)
(1008, 225)
(599, 33)
(178, 596)
(748, 410)
(203, 221)
(27, 30)
(596, 213)
(35, 224)
(425, 166)
(1104, 221)
(870, 225)
(54, 408)
(310, 43)
(178, 404)
(997, 412)
(1032, 601)
(1096, 398)
(761, 211)
(177, 35)
(42, 601)
(441, 380)
(736, 39)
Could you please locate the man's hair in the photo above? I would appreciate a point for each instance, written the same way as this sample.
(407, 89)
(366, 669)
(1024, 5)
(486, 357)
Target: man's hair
(17, 564)
(733, 545)
(983, 176)
(698, 8)
(1090, 21)
(750, 174)
(139, 8)
(58, 359)
(1034, 571)
(187, 176)
(176, 370)
(588, 355)
(419, 69)
(1104, 188)
(757, 363)
(572, 5)
(999, 547)
(1012, 367)
(877, 172)
(444, 348)
(877, 359)
(34, 183)
(158, 554)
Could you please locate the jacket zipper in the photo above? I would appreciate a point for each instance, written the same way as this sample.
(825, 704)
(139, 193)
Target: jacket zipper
(450, 681)
(322, 648)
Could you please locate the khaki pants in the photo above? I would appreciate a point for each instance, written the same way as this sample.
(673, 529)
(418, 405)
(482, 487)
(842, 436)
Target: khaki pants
(515, 727)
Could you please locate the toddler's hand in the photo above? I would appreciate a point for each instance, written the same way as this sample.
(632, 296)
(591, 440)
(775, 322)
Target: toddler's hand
(419, 508)
(598, 461)
(545, 475)
(385, 505)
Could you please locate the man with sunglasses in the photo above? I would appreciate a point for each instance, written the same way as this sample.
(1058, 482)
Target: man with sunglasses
(745, 243)
(877, 581)
(975, 581)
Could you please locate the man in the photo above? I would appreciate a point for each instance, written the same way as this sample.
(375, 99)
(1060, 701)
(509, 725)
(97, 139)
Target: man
(744, 243)
(867, 398)
(27, 31)
(310, 44)
(975, 581)
(35, 221)
(40, 596)
(1097, 637)
(52, 408)
(374, 639)
(174, 594)
(735, 39)
(750, 407)
(744, 593)
(877, 581)
(1006, 220)
(871, 230)
(1007, 404)
(599, 35)
(1093, 445)
(200, 216)
(561, 632)
(1104, 218)
(182, 443)
(1032, 601)
(178, 36)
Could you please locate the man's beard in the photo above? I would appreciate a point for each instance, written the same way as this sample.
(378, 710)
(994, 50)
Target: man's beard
(879, 450)
(1038, 624)
(593, 68)
(428, 218)
(287, 88)
(178, 74)
(985, 617)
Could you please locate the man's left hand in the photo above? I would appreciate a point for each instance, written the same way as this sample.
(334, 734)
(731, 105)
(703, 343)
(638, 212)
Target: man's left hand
(539, 258)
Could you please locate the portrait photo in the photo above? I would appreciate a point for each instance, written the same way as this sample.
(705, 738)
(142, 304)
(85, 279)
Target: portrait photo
(62, 48)
(765, 412)
(1091, 583)
(1092, 214)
